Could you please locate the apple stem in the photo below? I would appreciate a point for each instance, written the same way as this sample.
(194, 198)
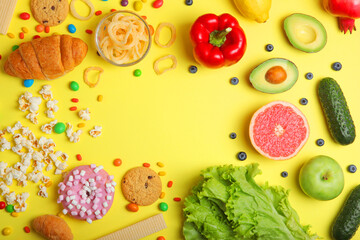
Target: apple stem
(325, 177)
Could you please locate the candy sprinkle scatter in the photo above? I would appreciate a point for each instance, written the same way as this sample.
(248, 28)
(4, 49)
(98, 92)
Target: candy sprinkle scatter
(9, 208)
(24, 16)
(132, 207)
(320, 142)
(137, 73)
(162, 195)
(158, 3)
(163, 206)
(98, 13)
(352, 168)
(161, 173)
(6, 231)
(74, 86)
(169, 184)
(177, 199)
(15, 47)
(75, 100)
(59, 128)
(124, 3)
(242, 156)
(39, 28)
(234, 81)
(73, 108)
(78, 157)
(189, 2)
(138, 5)
(284, 174)
(27, 229)
(146, 164)
(233, 135)
(117, 162)
(2, 205)
(71, 28)
(28, 82)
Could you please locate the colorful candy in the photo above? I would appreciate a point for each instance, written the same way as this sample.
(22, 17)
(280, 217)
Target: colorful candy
(158, 3)
(74, 86)
(113, 10)
(36, 36)
(177, 199)
(146, 164)
(10, 35)
(75, 100)
(98, 13)
(71, 28)
(2, 205)
(39, 28)
(132, 207)
(137, 73)
(59, 128)
(81, 125)
(160, 164)
(6, 231)
(88, 31)
(169, 184)
(9, 208)
(100, 98)
(161, 173)
(24, 29)
(117, 162)
(163, 206)
(78, 157)
(138, 5)
(21, 35)
(26, 229)
(47, 29)
(124, 3)
(160, 238)
(73, 108)
(15, 47)
(162, 195)
(28, 82)
(24, 16)
(15, 214)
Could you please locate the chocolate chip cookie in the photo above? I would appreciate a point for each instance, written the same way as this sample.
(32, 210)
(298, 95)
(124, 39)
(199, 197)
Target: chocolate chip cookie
(141, 185)
(49, 12)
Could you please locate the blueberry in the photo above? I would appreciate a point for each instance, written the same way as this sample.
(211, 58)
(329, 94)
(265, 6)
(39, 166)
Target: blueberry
(284, 174)
(242, 156)
(269, 47)
(234, 81)
(233, 135)
(309, 76)
(320, 142)
(189, 2)
(193, 69)
(303, 101)
(28, 82)
(336, 66)
(352, 168)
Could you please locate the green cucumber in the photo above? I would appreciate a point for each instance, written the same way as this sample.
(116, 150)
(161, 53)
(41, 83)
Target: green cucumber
(348, 220)
(336, 111)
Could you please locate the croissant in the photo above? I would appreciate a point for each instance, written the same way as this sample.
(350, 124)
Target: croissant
(46, 58)
(52, 227)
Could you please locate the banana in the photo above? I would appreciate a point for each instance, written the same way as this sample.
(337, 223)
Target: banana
(257, 10)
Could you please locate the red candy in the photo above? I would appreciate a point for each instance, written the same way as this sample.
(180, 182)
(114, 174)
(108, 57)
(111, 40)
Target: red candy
(160, 238)
(170, 183)
(97, 13)
(113, 10)
(146, 164)
(25, 16)
(78, 157)
(75, 100)
(157, 3)
(73, 108)
(47, 29)
(27, 229)
(36, 36)
(2, 205)
(117, 162)
(177, 199)
(88, 31)
(21, 35)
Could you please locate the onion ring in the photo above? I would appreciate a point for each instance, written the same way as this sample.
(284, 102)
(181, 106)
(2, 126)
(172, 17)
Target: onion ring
(76, 15)
(173, 35)
(156, 64)
(87, 70)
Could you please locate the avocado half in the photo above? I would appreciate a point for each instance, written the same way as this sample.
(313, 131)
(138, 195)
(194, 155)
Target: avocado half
(275, 75)
(305, 32)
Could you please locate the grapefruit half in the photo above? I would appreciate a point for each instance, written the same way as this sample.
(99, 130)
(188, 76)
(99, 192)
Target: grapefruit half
(278, 130)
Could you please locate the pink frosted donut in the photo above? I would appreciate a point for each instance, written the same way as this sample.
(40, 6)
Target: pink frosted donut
(87, 192)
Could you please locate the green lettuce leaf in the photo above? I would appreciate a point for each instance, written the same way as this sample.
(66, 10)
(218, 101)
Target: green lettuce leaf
(228, 204)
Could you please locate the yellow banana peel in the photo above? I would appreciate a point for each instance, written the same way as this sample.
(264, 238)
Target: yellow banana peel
(257, 10)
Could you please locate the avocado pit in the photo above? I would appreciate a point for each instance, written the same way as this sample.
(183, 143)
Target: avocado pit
(276, 75)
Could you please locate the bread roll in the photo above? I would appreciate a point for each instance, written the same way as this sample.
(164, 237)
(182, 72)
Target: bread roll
(52, 227)
(46, 58)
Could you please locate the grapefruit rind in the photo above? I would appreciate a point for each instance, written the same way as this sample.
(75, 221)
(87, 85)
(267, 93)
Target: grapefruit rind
(253, 122)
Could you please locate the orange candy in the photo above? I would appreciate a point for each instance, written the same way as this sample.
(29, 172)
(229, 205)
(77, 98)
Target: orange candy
(39, 28)
(117, 162)
(160, 238)
(21, 35)
(132, 207)
(47, 29)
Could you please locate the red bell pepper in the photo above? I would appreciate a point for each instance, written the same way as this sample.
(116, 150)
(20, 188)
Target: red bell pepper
(217, 40)
(346, 10)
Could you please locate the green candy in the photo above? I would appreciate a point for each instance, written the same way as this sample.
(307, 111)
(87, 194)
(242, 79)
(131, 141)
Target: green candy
(15, 47)
(59, 128)
(74, 86)
(9, 208)
(163, 206)
(137, 73)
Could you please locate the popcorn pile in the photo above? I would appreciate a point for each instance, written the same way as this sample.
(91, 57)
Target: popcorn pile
(35, 153)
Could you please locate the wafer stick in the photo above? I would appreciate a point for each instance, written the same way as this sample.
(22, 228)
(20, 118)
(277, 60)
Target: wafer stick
(138, 230)
(7, 8)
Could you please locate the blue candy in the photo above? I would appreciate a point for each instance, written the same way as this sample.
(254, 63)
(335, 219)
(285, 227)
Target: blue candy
(28, 82)
(71, 28)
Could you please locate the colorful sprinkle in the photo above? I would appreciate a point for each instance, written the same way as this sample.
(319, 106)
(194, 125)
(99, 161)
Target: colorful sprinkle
(88, 31)
(117, 162)
(48, 184)
(81, 125)
(25, 30)
(26, 229)
(59, 128)
(9, 208)
(78, 157)
(161, 173)
(47, 29)
(100, 98)
(160, 164)
(39, 28)
(6, 231)
(146, 164)
(36, 37)
(137, 73)
(169, 184)
(75, 100)
(158, 3)
(2, 205)
(28, 82)
(163, 206)
(21, 35)
(132, 207)
(24, 16)
(162, 195)
(10, 35)
(98, 13)
(71, 28)
(74, 86)
(15, 214)
(113, 10)
(138, 5)
(15, 47)
(177, 199)
(74, 108)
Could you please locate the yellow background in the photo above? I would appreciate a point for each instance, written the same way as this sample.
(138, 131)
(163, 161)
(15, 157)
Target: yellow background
(182, 119)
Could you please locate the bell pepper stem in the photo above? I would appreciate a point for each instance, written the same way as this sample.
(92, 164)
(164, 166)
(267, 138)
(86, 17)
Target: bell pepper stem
(218, 38)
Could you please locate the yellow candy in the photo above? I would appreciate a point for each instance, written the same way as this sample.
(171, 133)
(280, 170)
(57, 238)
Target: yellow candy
(100, 98)
(138, 5)
(81, 125)
(48, 184)
(162, 195)
(10, 35)
(15, 214)
(6, 231)
(60, 214)
(162, 173)
(160, 164)
(25, 30)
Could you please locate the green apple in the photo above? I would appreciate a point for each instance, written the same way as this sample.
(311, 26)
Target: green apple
(321, 178)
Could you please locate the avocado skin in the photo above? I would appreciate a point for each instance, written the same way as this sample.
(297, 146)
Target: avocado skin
(336, 111)
(348, 220)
